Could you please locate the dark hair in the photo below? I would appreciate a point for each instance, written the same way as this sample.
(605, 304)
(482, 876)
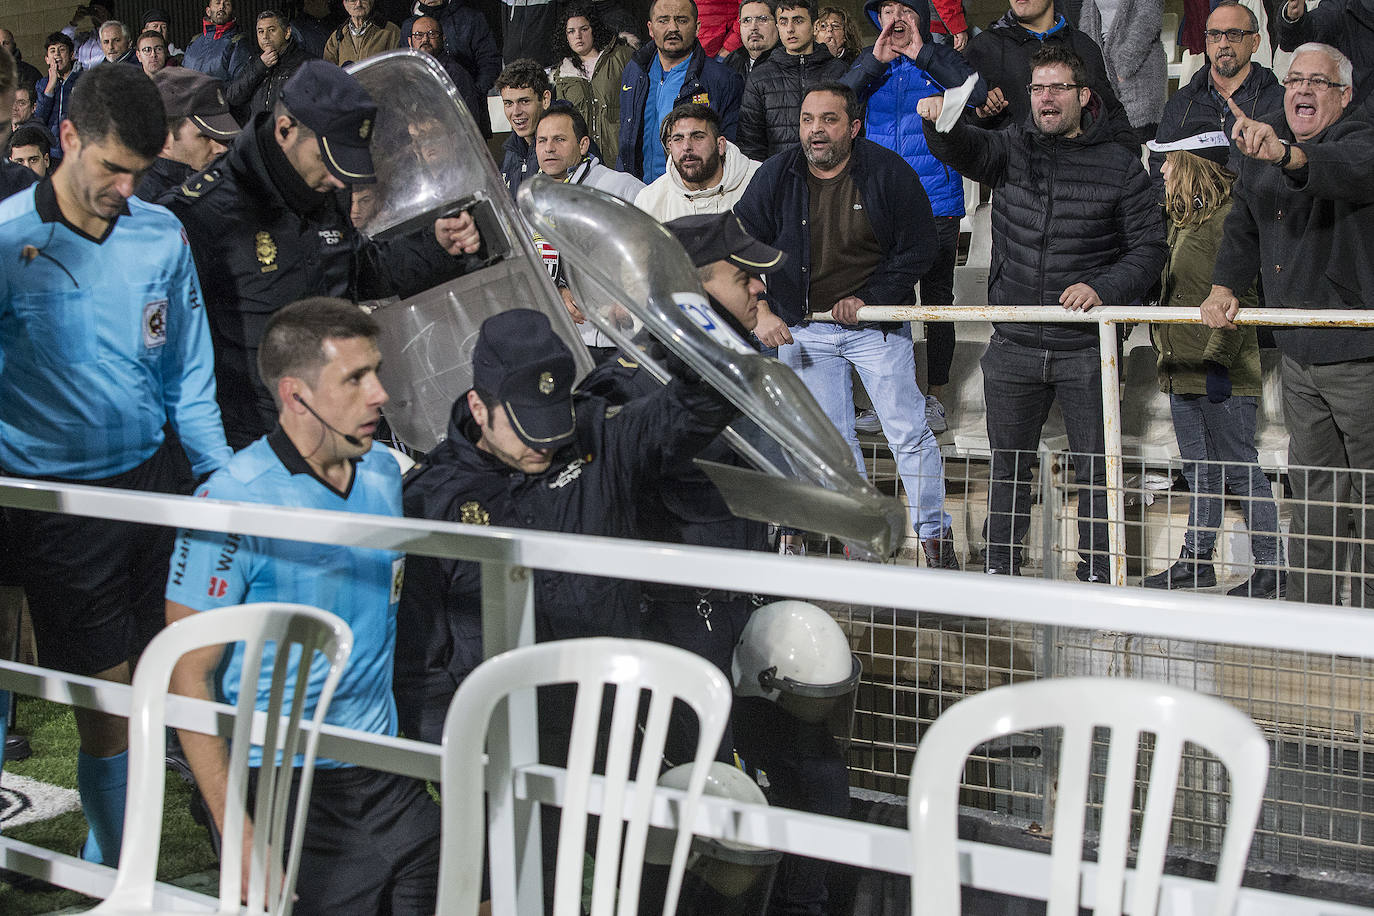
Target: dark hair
(771, 4)
(852, 109)
(58, 38)
(524, 74)
(1050, 55)
(276, 14)
(603, 36)
(693, 3)
(798, 5)
(150, 33)
(1254, 20)
(566, 109)
(29, 136)
(31, 89)
(293, 341)
(689, 110)
(852, 45)
(121, 101)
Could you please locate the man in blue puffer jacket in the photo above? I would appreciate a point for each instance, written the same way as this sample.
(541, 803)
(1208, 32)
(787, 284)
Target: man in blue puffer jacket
(903, 67)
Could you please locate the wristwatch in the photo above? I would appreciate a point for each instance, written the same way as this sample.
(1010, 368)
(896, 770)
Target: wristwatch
(1287, 156)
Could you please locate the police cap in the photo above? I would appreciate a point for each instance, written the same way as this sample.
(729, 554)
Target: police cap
(521, 362)
(188, 93)
(721, 237)
(332, 103)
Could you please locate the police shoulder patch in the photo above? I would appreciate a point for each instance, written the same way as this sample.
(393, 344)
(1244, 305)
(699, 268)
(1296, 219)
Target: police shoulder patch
(613, 410)
(198, 184)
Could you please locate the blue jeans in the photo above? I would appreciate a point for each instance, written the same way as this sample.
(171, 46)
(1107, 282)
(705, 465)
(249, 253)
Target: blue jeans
(1216, 442)
(822, 353)
(1020, 384)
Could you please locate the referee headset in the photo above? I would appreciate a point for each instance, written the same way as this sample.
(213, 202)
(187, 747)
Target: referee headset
(351, 440)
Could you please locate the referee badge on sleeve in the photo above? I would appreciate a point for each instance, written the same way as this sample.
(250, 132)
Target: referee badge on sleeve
(155, 323)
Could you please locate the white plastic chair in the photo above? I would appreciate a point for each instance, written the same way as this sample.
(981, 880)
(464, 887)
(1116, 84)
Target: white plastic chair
(297, 631)
(1128, 708)
(666, 674)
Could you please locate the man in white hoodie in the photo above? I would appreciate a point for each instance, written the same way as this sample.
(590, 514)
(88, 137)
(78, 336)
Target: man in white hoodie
(706, 174)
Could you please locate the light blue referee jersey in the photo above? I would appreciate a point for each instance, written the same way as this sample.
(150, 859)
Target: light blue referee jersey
(102, 341)
(212, 569)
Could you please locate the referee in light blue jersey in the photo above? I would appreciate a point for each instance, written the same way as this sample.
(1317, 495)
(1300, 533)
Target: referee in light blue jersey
(103, 344)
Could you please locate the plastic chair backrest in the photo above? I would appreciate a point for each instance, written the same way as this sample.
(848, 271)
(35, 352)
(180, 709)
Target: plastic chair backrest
(297, 631)
(666, 674)
(1128, 708)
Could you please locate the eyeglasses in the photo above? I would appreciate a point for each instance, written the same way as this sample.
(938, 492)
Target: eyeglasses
(1319, 83)
(1051, 88)
(432, 33)
(751, 20)
(1234, 36)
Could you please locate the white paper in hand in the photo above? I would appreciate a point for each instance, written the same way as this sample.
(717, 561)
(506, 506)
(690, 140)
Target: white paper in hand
(955, 100)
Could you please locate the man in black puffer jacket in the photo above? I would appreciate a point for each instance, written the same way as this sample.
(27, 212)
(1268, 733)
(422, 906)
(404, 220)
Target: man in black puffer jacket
(1074, 223)
(1001, 54)
(773, 92)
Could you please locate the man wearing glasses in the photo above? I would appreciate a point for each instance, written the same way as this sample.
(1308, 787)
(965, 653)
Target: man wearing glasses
(1201, 105)
(1302, 219)
(1074, 223)
(1347, 25)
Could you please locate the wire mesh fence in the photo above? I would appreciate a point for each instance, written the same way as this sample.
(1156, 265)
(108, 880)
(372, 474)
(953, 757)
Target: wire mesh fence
(1316, 710)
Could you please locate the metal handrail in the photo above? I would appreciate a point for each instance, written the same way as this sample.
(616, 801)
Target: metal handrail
(1107, 318)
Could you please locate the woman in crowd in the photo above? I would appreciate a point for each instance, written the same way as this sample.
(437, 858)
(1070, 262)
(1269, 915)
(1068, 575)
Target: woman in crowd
(362, 36)
(839, 33)
(592, 57)
(1212, 377)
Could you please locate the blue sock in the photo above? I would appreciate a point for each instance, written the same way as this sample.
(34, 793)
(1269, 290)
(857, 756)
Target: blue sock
(102, 782)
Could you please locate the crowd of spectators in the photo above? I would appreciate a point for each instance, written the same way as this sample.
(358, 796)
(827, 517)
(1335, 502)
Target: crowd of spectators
(241, 167)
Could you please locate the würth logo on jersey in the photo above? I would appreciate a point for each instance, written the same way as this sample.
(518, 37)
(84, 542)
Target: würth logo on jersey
(218, 587)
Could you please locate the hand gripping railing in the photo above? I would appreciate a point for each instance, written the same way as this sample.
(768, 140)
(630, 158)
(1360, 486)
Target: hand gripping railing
(1107, 318)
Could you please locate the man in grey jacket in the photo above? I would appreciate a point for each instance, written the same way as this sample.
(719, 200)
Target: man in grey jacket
(1302, 219)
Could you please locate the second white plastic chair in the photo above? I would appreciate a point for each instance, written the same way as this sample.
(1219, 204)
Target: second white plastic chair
(1080, 705)
(632, 667)
(294, 631)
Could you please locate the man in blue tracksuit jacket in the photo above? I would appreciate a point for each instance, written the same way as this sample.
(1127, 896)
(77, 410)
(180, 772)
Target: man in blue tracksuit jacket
(903, 67)
(221, 49)
(103, 344)
(704, 81)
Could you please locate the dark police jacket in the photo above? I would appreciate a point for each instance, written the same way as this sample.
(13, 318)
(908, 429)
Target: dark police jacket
(1064, 211)
(258, 248)
(165, 175)
(591, 487)
(708, 80)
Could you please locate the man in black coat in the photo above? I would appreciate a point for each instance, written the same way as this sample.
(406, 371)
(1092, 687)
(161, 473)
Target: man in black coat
(526, 451)
(258, 85)
(1074, 223)
(1002, 53)
(1200, 104)
(268, 225)
(758, 35)
(1347, 25)
(199, 129)
(773, 92)
(1302, 220)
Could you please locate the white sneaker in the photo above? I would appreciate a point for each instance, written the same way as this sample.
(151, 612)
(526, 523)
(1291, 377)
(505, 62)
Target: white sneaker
(935, 415)
(867, 422)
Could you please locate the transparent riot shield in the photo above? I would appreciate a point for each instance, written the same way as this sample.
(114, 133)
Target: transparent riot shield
(645, 283)
(431, 162)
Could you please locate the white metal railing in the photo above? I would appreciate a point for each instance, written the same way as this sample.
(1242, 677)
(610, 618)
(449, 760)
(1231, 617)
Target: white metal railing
(507, 555)
(1107, 318)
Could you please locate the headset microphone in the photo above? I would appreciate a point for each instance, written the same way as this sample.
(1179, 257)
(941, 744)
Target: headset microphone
(351, 440)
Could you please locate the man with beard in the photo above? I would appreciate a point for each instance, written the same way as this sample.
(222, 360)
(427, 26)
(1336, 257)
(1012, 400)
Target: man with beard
(859, 224)
(1346, 25)
(706, 172)
(220, 49)
(1074, 223)
(1302, 220)
(758, 32)
(256, 88)
(1200, 105)
(1001, 54)
(670, 69)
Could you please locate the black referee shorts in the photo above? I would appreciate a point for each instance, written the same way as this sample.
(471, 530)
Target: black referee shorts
(371, 846)
(95, 587)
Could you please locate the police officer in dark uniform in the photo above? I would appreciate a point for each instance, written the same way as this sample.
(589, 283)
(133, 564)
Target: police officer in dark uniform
(686, 508)
(268, 225)
(526, 451)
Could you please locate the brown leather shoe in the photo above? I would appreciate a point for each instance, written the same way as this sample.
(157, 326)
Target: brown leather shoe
(940, 552)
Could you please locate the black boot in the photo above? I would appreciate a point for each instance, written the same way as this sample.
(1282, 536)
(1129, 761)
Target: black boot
(1265, 583)
(1190, 570)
